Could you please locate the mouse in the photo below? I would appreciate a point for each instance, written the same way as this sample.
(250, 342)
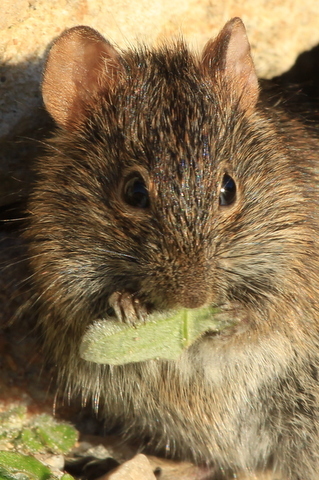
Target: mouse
(173, 180)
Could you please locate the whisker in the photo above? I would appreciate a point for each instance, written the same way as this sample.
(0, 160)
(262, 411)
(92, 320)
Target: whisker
(46, 144)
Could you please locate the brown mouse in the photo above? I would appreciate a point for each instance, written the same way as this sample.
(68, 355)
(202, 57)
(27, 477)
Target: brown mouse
(172, 181)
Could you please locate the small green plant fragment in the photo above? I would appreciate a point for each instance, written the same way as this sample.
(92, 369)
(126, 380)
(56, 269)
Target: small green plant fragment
(11, 423)
(66, 476)
(57, 437)
(34, 434)
(30, 441)
(15, 466)
(29, 434)
(159, 337)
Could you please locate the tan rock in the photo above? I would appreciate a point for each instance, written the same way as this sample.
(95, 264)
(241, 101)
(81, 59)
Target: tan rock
(139, 468)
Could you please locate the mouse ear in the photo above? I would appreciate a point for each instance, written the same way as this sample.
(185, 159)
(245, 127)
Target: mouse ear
(229, 56)
(81, 64)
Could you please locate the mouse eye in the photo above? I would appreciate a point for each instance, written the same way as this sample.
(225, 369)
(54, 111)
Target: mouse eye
(136, 193)
(227, 194)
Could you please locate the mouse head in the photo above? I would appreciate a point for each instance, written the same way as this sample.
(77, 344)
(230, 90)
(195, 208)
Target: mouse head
(82, 66)
(154, 175)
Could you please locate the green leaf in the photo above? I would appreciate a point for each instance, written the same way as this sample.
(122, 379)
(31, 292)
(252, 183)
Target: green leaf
(12, 421)
(160, 337)
(30, 440)
(14, 466)
(66, 476)
(58, 437)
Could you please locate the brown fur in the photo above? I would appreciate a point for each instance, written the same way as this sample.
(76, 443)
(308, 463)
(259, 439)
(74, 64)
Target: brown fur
(248, 398)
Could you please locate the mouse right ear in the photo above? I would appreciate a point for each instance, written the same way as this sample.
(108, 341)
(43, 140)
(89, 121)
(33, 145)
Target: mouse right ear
(228, 58)
(81, 65)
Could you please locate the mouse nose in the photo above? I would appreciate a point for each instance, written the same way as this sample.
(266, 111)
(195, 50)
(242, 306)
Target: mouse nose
(185, 283)
(193, 299)
(190, 291)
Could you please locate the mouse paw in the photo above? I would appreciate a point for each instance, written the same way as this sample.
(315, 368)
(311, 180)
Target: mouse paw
(127, 308)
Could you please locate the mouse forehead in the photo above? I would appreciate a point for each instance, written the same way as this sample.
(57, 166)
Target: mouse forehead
(170, 117)
(167, 95)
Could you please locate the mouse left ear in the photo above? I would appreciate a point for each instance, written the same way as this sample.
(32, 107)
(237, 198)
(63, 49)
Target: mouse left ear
(80, 66)
(228, 57)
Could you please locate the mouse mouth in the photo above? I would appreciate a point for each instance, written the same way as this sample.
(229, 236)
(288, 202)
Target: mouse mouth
(126, 307)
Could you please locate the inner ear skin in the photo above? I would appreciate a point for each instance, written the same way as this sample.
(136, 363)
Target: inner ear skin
(80, 65)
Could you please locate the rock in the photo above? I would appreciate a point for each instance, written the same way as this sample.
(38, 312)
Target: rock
(139, 468)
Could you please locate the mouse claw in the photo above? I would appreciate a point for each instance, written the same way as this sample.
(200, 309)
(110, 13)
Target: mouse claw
(127, 308)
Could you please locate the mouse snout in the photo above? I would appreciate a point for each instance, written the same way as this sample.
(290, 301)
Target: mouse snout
(192, 295)
(184, 289)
